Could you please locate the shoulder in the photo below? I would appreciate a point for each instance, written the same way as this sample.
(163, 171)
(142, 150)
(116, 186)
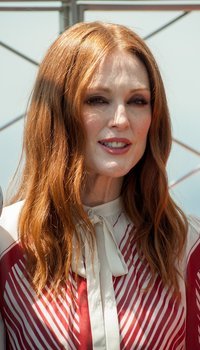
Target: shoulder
(193, 283)
(10, 215)
(193, 236)
(9, 225)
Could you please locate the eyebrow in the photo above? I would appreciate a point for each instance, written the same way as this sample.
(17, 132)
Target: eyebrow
(107, 89)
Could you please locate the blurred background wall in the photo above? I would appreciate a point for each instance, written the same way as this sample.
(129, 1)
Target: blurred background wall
(172, 32)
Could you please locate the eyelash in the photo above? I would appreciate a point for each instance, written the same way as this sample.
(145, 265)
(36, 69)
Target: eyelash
(100, 100)
(141, 101)
(96, 100)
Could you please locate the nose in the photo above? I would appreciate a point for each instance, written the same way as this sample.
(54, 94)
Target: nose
(120, 117)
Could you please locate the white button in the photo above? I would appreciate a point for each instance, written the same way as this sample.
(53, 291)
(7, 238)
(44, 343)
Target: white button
(90, 213)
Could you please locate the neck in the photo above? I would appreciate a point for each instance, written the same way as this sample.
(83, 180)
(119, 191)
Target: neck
(99, 190)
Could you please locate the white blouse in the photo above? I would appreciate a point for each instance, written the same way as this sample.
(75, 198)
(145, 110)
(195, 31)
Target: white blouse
(110, 310)
(107, 262)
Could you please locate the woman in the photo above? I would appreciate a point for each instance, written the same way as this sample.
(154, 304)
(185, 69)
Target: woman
(93, 253)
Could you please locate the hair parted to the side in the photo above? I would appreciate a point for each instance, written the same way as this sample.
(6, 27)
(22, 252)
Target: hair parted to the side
(54, 173)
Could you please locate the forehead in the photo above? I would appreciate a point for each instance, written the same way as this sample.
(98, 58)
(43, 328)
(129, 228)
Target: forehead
(119, 67)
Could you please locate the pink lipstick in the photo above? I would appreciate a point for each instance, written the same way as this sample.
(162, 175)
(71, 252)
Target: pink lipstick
(115, 145)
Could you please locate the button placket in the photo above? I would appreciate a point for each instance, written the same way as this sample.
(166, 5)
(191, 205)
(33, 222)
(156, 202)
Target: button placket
(106, 262)
(94, 299)
(107, 291)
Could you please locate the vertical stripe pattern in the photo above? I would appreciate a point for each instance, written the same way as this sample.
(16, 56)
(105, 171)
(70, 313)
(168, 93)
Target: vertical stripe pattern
(153, 320)
(40, 322)
(148, 320)
(193, 298)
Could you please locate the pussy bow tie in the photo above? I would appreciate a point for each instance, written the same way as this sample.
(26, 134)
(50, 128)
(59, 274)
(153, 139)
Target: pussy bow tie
(107, 261)
(104, 237)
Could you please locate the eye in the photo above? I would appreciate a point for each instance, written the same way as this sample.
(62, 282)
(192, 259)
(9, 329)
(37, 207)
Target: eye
(139, 100)
(96, 100)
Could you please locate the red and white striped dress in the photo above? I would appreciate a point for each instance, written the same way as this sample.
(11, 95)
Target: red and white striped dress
(110, 309)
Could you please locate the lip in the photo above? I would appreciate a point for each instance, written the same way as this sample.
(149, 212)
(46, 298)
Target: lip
(115, 151)
(116, 139)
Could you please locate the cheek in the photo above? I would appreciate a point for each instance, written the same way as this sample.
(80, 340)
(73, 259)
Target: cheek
(146, 126)
(93, 123)
(143, 128)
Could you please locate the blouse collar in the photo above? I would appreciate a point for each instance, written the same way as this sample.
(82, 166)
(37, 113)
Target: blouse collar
(107, 209)
(99, 268)
(100, 216)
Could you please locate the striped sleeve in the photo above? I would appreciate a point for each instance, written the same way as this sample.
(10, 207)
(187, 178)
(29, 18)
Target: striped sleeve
(193, 285)
(2, 333)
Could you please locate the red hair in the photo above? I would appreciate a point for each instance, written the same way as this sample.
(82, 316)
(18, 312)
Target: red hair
(54, 174)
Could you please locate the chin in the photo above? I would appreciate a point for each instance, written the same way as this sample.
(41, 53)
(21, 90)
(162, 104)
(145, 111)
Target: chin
(115, 172)
(111, 169)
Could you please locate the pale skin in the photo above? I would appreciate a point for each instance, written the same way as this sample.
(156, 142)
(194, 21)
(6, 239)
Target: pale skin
(117, 117)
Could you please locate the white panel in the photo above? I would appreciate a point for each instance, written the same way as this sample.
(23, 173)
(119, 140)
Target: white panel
(30, 33)
(177, 50)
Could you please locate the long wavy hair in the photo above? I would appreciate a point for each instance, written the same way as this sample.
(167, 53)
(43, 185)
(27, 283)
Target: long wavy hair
(54, 175)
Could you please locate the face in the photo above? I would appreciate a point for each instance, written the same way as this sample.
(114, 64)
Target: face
(117, 115)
